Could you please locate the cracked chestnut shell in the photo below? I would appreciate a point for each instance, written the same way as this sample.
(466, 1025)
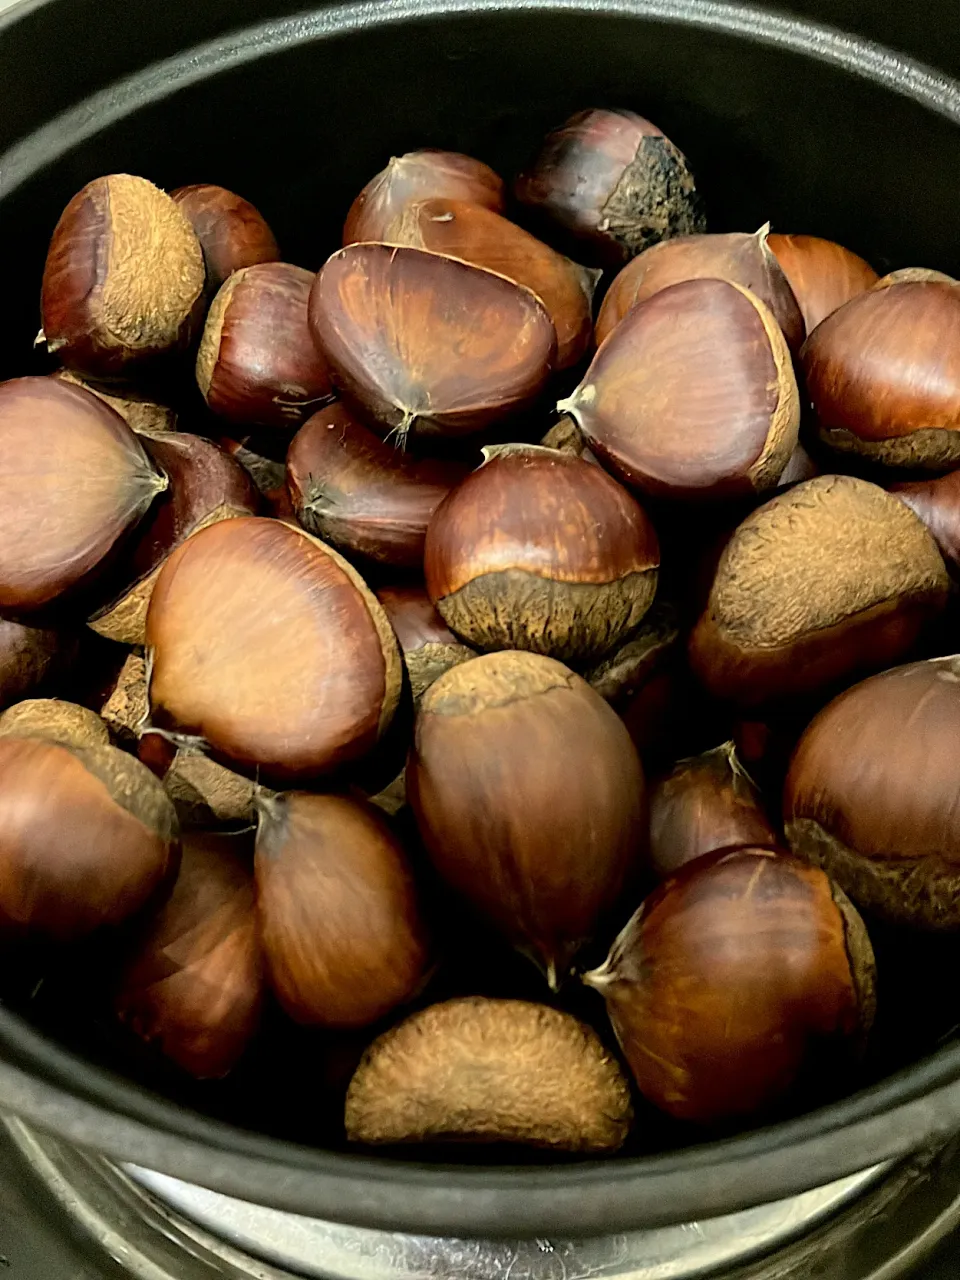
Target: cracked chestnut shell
(822, 274)
(745, 977)
(540, 841)
(611, 184)
(693, 395)
(427, 344)
(233, 234)
(872, 794)
(539, 550)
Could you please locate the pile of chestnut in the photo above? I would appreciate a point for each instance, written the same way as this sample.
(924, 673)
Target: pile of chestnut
(422, 589)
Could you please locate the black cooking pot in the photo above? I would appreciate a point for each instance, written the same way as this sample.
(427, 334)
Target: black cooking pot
(782, 118)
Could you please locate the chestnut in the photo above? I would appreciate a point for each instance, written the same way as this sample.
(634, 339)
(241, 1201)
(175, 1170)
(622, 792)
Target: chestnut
(139, 411)
(693, 395)
(871, 794)
(540, 550)
(86, 837)
(232, 233)
(822, 274)
(743, 978)
(204, 485)
(423, 343)
(420, 175)
(744, 259)
(206, 795)
(351, 489)
(702, 805)
(829, 581)
(257, 364)
(481, 1070)
(612, 184)
(74, 481)
(883, 373)
(52, 718)
(541, 842)
(124, 279)
(626, 670)
(342, 931)
(478, 235)
(267, 646)
(31, 656)
(193, 984)
(428, 646)
(937, 503)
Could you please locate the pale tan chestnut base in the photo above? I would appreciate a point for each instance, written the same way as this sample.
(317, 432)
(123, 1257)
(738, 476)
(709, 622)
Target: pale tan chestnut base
(127, 709)
(863, 963)
(923, 893)
(205, 794)
(431, 661)
(931, 449)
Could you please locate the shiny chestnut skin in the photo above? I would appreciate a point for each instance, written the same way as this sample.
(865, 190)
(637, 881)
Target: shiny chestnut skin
(428, 645)
(871, 794)
(257, 364)
(540, 842)
(342, 930)
(233, 234)
(693, 395)
(883, 373)
(503, 576)
(29, 656)
(426, 344)
(610, 183)
(420, 175)
(364, 496)
(743, 978)
(822, 274)
(193, 984)
(937, 503)
(123, 283)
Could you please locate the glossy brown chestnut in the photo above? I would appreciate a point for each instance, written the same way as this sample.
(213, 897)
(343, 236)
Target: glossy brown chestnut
(744, 977)
(744, 259)
(232, 233)
(612, 184)
(193, 985)
(351, 489)
(30, 656)
(937, 503)
(257, 364)
(871, 794)
(139, 412)
(829, 581)
(205, 485)
(822, 274)
(539, 550)
(86, 836)
(420, 175)
(74, 481)
(693, 395)
(341, 925)
(703, 805)
(267, 645)
(428, 344)
(124, 278)
(913, 275)
(883, 373)
(540, 841)
(480, 236)
(56, 720)
(479, 1070)
(428, 646)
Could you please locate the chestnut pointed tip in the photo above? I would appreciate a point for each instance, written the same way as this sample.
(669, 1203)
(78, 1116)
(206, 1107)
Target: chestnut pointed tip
(598, 979)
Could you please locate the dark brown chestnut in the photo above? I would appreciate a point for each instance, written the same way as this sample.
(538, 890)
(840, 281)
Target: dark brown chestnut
(693, 395)
(205, 485)
(351, 489)
(539, 550)
(267, 646)
(612, 184)
(703, 805)
(822, 274)
(124, 278)
(428, 344)
(420, 175)
(193, 985)
(540, 841)
(233, 234)
(744, 259)
(257, 364)
(829, 581)
(74, 481)
(86, 837)
(479, 1070)
(428, 646)
(480, 236)
(342, 931)
(937, 503)
(139, 411)
(871, 794)
(883, 373)
(56, 720)
(743, 978)
(31, 656)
